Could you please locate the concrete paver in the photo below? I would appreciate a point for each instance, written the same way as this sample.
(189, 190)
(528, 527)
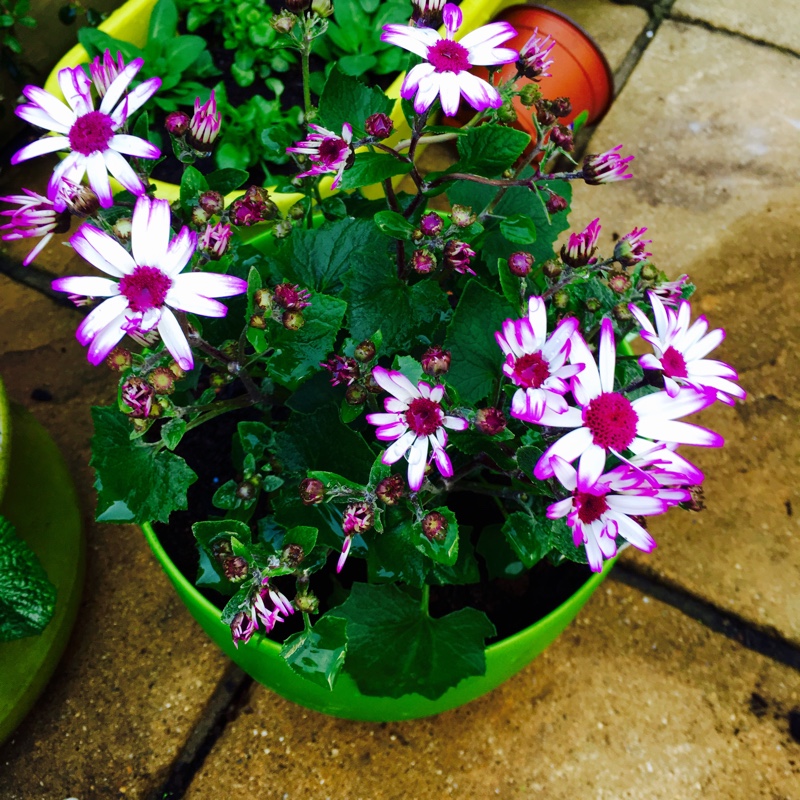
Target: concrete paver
(715, 183)
(138, 671)
(635, 700)
(777, 22)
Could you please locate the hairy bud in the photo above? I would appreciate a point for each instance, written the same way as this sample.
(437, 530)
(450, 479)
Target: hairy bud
(435, 361)
(177, 123)
(520, 263)
(423, 262)
(391, 489)
(434, 526)
(431, 224)
(235, 568)
(312, 491)
(379, 125)
(365, 351)
(293, 320)
(490, 421)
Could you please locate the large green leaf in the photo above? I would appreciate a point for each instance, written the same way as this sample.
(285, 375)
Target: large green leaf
(476, 357)
(372, 168)
(395, 648)
(528, 536)
(346, 99)
(27, 598)
(489, 149)
(318, 654)
(134, 481)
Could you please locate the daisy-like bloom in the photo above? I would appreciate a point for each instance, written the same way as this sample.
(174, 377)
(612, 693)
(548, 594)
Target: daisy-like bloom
(215, 239)
(579, 250)
(667, 466)
(266, 607)
(96, 146)
(680, 349)
(343, 370)
(205, 125)
(146, 285)
(630, 248)
(457, 256)
(36, 216)
(291, 296)
(671, 292)
(601, 508)
(326, 151)
(138, 395)
(533, 57)
(606, 422)
(414, 419)
(606, 167)
(104, 70)
(537, 364)
(357, 518)
(446, 71)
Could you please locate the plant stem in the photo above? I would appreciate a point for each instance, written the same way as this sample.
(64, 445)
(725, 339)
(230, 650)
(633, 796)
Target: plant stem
(305, 54)
(425, 600)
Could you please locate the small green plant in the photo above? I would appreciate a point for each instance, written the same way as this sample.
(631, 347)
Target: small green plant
(351, 42)
(244, 27)
(180, 61)
(13, 14)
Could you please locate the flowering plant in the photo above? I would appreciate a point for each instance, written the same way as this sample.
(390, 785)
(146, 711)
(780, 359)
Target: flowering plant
(383, 361)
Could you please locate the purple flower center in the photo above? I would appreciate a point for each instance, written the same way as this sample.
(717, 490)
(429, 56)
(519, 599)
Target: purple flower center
(424, 416)
(611, 420)
(145, 288)
(590, 507)
(91, 133)
(447, 56)
(674, 364)
(332, 151)
(531, 370)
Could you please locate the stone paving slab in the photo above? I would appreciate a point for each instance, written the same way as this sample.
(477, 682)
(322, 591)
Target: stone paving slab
(635, 700)
(138, 671)
(716, 184)
(777, 22)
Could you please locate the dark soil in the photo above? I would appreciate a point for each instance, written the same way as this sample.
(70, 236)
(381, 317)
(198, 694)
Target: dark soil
(511, 605)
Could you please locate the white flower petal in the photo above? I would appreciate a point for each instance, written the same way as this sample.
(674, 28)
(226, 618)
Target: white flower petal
(608, 355)
(103, 252)
(97, 175)
(175, 340)
(133, 146)
(52, 106)
(417, 40)
(180, 250)
(76, 87)
(150, 231)
(478, 92)
(194, 303)
(118, 86)
(568, 447)
(106, 339)
(397, 450)
(123, 172)
(100, 317)
(449, 93)
(47, 144)
(490, 35)
(87, 286)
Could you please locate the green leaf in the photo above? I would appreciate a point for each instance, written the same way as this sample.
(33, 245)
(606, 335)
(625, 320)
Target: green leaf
(393, 557)
(378, 300)
(527, 458)
(172, 432)
(299, 353)
(579, 122)
(627, 372)
(529, 539)
(519, 229)
(490, 149)
(393, 224)
(134, 482)
(302, 535)
(27, 598)
(227, 180)
(444, 551)
(465, 570)
(318, 654)
(163, 21)
(501, 561)
(370, 168)
(346, 99)
(183, 51)
(510, 284)
(395, 648)
(336, 483)
(193, 184)
(476, 357)
(560, 536)
(256, 438)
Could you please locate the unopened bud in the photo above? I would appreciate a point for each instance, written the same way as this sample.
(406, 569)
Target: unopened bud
(552, 270)
(162, 380)
(257, 321)
(544, 115)
(619, 282)
(561, 106)
(434, 526)
(556, 203)
(263, 299)
(431, 224)
(365, 351)
(246, 490)
(697, 501)
(282, 229)
(177, 123)
(312, 491)
(621, 312)
(355, 395)
(235, 569)
(490, 421)
(307, 603)
(283, 22)
(462, 216)
(357, 518)
(322, 7)
(435, 361)
(520, 263)
(530, 94)
(562, 137)
(593, 304)
(423, 262)
(212, 202)
(293, 554)
(391, 489)
(122, 228)
(199, 216)
(297, 211)
(297, 6)
(293, 320)
(119, 359)
(507, 112)
(379, 125)
(561, 299)
(649, 272)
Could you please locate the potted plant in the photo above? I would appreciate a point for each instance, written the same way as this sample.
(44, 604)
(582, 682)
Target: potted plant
(406, 428)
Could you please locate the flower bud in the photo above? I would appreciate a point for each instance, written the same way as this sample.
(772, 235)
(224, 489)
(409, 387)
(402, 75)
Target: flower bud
(307, 603)
(697, 501)
(292, 554)
(462, 216)
(83, 202)
(423, 262)
(520, 263)
(434, 526)
(205, 125)
(556, 203)
(435, 361)
(247, 490)
(257, 321)
(544, 116)
(355, 395)
(293, 320)
(457, 256)
(379, 125)
(297, 211)
(291, 296)
(552, 269)
(263, 299)
(490, 421)
(649, 273)
(365, 351)
(283, 22)
(592, 304)
(621, 312)
(119, 359)
(212, 202)
(138, 396)
(562, 137)
(297, 6)
(342, 369)
(324, 8)
(199, 216)
(507, 112)
(235, 569)
(357, 518)
(530, 94)
(312, 491)
(561, 106)
(282, 229)
(619, 282)
(215, 239)
(431, 224)
(162, 379)
(122, 229)
(391, 489)
(561, 299)
(177, 123)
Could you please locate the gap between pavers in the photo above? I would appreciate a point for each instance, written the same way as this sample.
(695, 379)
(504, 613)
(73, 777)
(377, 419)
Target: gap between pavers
(138, 671)
(635, 700)
(715, 183)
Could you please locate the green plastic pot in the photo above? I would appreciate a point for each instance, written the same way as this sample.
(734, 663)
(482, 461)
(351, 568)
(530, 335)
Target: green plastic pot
(261, 657)
(41, 502)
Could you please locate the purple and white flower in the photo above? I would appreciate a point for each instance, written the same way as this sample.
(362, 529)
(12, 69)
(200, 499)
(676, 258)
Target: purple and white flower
(415, 421)
(580, 248)
(104, 70)
(326, 151)
(606, 167)
(266, 607)
(93, 137)
(630, 248)
(537, 364)
(671, 292)
(146, 285)
(680, 349)
(606, 422)
(603, 507)
(534, 60)
(446, 70)
(205, 124)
